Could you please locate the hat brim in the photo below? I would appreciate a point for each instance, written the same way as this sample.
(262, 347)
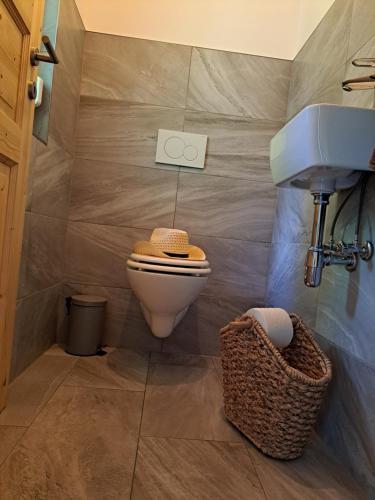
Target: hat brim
(148, 248)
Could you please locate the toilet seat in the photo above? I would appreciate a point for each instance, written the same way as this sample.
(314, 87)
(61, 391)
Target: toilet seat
(169, 262)
(190, 271)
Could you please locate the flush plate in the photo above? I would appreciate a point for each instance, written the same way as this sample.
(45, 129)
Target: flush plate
(181, 148)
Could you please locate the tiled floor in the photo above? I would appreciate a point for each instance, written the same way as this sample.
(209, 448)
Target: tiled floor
(130, 425)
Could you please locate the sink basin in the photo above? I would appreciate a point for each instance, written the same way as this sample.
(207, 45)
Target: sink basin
(324, 147)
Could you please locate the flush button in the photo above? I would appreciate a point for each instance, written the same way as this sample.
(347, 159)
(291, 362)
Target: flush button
(190, 153)
(181, 148)
(174, 147)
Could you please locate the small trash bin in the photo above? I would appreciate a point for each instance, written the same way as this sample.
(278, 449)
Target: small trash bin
(86, 323)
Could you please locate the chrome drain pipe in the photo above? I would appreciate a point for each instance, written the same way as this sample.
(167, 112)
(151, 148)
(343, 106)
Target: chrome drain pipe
(314, 262)
(320, 255)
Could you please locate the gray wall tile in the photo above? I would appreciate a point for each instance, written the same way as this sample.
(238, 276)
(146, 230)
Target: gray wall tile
(35, 149)
(224, 207)
(96, 254)
(346, 312)
(345, 305)
(347, 422)
(123, 133)
(238, 84)
(360, 99)
(43, 255)
(122, 195)
(293, 216)
(362, 27)
(22, 279)
(319, 66)
(134, 70)
(237, 146)
(67, 76)
(285, 283)
(51, 173)
(303, 93)
(35, 329)
(346, 224)
(239, 268)
(198, 331)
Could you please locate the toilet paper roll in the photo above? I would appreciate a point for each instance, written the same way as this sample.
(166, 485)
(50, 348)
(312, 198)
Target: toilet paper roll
(276, 323)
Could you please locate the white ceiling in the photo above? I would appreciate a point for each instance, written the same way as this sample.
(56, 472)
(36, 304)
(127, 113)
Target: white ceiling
(274, 28)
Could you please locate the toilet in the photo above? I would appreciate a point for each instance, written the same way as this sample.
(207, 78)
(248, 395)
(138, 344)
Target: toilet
(169, 281)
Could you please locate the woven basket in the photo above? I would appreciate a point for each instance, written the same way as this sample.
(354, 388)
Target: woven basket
(273, 396)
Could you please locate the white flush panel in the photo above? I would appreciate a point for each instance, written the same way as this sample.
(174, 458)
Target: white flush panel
(181, 148)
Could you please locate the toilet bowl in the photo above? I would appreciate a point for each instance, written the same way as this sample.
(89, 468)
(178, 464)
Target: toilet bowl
(165, 288)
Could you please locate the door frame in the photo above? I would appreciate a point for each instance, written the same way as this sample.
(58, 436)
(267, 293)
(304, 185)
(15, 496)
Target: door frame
(31, 27)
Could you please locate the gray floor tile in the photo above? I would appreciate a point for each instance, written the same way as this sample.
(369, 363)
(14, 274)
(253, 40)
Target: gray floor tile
(119, 369)
(29, 392)
(218, 367)
(58, 350)
(186, 470)
(311, 477)
(181, 359)
(81, 446)
(8, 438)
(185, 402)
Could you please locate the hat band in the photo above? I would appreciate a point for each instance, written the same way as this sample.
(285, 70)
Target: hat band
(174, 254)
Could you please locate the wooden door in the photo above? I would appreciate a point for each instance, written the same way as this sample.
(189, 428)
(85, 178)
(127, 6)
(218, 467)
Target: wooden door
(20, 25)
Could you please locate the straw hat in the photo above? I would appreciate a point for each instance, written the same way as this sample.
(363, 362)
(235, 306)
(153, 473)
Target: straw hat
(170, 243)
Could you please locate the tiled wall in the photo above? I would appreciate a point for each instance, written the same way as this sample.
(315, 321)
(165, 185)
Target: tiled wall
(130, 89)
(342, 310)
(48, 202)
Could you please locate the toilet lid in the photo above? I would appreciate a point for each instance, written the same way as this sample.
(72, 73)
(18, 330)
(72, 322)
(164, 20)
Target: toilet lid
(169, 262)
(144, 266)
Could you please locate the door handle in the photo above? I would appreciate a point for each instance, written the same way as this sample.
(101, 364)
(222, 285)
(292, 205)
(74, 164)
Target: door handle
(36, 56)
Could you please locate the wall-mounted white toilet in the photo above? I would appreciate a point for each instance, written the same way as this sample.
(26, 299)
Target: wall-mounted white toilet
(166, 284)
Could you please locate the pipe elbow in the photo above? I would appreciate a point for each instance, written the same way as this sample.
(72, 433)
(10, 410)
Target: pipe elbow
(314, 267)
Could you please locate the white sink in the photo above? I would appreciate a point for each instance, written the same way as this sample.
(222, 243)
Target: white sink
(323, 148)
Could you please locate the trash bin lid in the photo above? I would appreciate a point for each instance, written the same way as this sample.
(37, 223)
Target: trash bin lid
(89, 300)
